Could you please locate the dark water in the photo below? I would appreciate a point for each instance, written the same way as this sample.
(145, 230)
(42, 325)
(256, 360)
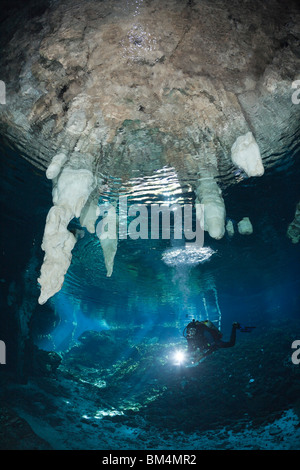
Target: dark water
(145, 305)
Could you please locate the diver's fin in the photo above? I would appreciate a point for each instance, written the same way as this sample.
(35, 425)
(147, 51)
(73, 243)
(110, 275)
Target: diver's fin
(196, 360)
(246, 329)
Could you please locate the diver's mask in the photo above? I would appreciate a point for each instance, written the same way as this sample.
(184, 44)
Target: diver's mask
(191, 333)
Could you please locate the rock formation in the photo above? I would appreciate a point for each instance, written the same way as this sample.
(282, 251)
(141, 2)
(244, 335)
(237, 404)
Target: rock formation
(293, 231)
(204, 87)
(71, 190)
(245, 226)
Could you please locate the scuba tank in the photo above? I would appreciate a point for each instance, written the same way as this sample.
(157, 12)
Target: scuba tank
(213, 329)
(195, 324)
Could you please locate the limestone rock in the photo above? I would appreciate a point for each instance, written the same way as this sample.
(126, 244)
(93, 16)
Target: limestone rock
(186, 78)
(230, 228)
(293, 231)
(246, 155)
(245, 226)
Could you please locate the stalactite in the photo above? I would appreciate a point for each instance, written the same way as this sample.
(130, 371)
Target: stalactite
(209, 194)
(71, 190)
(245, 154)
(90, 213)
(230, 228)
(107, 233)
(245, 226)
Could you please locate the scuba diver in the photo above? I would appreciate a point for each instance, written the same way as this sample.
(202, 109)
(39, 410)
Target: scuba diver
(203, 338)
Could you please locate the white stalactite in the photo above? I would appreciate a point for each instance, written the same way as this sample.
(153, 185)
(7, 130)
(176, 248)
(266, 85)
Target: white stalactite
(90, 214)
(56, 165)
(107, 233)
(71, 190)
(109, 247)
(209, 194)
(245, 154)
(245, 226)
(58, 244)
(230, 228)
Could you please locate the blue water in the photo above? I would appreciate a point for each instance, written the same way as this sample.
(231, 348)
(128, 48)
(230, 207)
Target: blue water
(251, 279)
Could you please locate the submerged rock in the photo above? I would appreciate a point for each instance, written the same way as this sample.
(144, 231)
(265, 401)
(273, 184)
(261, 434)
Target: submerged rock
(99, 348)
(293, 231)
(45, 362)
(17, 434)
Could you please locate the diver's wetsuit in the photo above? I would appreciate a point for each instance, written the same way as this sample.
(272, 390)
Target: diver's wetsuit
(206, 338)
(231, 342)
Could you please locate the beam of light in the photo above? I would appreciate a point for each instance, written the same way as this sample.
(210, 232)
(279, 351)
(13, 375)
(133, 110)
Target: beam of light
(179, 357)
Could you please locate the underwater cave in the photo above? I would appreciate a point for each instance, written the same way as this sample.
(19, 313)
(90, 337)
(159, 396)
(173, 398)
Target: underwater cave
(150, 207)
